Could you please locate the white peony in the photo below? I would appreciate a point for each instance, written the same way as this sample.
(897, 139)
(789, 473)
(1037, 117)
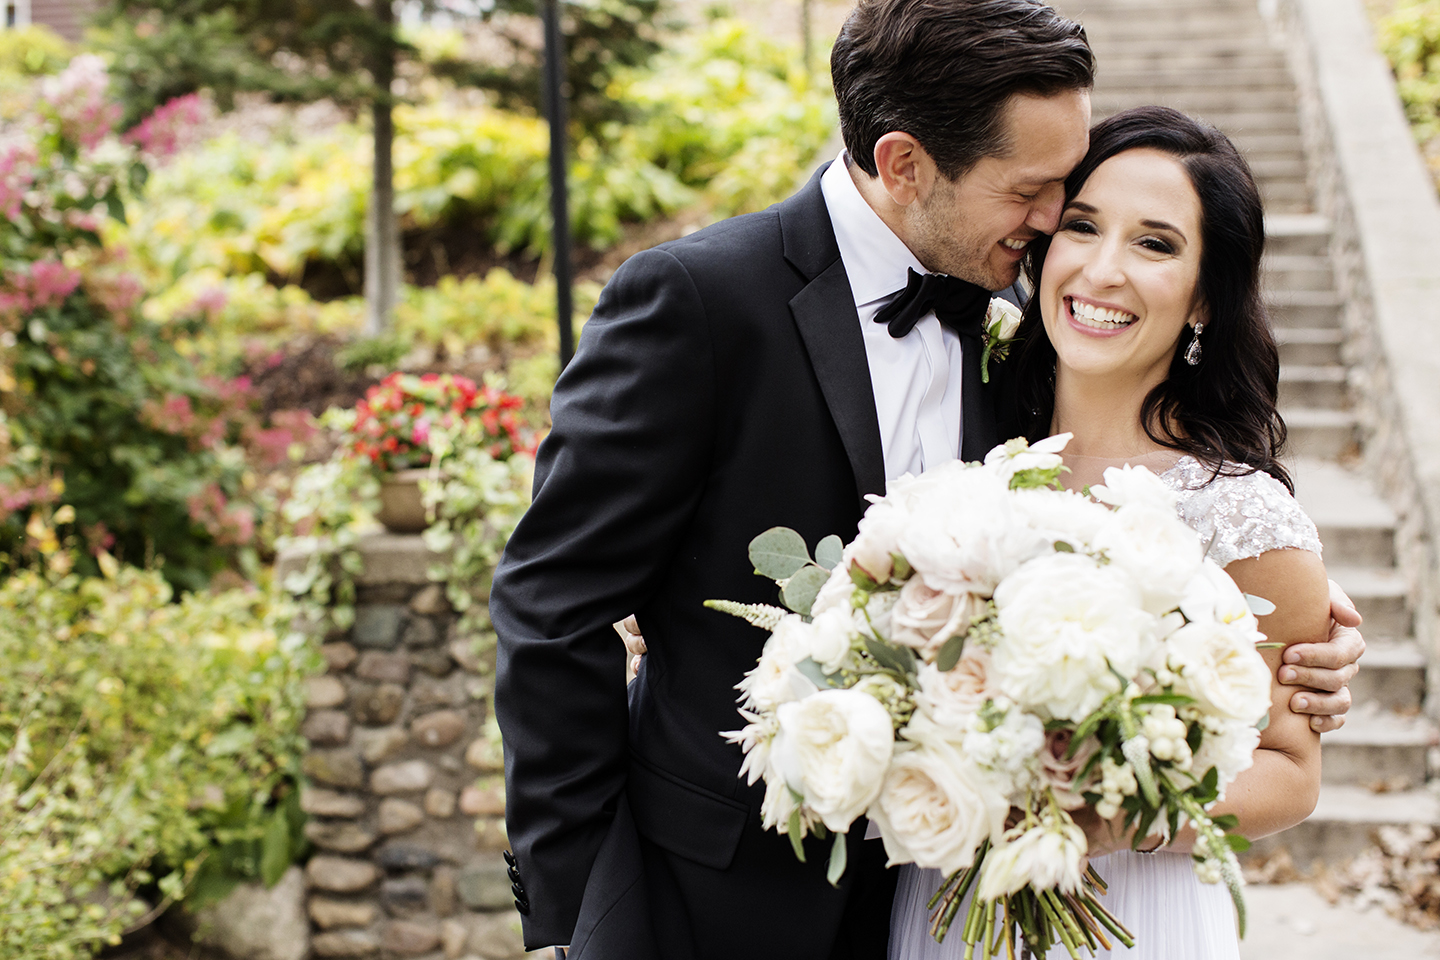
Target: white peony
(963, 534)
(833, 748)
(1158, 549)
(1229, 747)
(1061, 515)
(924, 618)
(951, 697)
(774, 680)
(831, 635)
(933, 810)
(1135, 485)
(1046, 857)
(1219, 666)
(836, 592)
(1067, 621)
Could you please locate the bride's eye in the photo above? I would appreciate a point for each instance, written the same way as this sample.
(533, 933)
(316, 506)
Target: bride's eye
(1078, 225)
(1158, 244)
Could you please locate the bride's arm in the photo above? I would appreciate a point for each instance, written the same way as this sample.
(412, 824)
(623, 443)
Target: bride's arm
(1281, 788)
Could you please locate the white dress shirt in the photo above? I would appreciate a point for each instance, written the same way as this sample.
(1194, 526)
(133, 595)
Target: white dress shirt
(916, 378)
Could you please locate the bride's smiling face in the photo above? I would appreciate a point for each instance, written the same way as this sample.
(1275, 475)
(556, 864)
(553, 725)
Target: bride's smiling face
(1118, 288)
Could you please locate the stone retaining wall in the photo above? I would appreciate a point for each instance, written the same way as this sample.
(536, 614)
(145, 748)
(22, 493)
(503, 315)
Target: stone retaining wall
(406, 797)
(1372, 183)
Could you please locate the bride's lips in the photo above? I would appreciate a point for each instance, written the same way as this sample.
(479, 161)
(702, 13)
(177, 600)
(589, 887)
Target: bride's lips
(1099, 319)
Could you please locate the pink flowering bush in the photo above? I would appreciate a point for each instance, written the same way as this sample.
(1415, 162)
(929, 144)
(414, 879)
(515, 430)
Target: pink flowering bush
(104, 422)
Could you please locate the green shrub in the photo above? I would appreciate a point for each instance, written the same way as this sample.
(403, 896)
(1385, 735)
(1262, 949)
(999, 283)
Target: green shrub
(1409, 36)
(149, 744)
(32, 51)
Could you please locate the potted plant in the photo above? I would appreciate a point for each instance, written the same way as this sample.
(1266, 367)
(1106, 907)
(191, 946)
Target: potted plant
(407, 424)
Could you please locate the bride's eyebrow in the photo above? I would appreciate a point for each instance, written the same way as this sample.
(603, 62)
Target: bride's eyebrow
(1162, 225)
(1079, 207)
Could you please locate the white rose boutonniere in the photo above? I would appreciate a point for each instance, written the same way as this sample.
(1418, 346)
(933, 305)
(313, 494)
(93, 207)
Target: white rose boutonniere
(1001, 322)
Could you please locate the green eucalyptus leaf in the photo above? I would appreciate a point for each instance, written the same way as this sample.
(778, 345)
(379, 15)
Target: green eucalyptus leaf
(892, 657)
(778, 553)
(829, 551)
(1259, 605)
(800, 592)
(813, 672)
(1264, 722)
(950, 651)
(793, 832)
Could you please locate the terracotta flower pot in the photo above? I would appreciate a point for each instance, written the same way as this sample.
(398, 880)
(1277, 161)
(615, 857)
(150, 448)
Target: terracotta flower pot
(401, 510)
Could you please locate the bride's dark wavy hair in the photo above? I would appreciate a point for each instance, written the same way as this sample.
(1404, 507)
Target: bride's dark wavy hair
(1223, 409)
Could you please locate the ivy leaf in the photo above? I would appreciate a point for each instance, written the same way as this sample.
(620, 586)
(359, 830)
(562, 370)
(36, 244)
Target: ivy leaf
(778, 553)
(829, 551)
(800, 592)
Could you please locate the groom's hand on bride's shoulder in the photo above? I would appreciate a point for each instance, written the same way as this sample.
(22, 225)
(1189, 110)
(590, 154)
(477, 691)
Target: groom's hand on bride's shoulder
(1326, 669)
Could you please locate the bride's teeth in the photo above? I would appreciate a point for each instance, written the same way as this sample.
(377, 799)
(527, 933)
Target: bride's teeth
(1014, 244)
(1100, 316)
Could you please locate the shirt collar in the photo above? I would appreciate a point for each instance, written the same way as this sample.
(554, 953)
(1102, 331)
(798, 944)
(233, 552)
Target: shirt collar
(875, 259)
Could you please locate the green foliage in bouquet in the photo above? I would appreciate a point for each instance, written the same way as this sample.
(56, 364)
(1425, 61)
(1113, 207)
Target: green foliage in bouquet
(150, 745)
(101, 411)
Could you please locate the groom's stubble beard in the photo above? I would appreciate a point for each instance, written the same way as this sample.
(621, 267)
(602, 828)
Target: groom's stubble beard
(944, 240)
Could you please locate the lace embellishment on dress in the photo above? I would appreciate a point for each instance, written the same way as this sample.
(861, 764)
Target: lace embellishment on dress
(1240, 516)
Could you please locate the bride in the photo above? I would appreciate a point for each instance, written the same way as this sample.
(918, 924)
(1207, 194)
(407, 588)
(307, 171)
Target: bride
(1146, 339)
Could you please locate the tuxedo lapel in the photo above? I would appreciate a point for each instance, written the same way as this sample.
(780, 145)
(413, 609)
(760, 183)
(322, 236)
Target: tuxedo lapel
(824, 312)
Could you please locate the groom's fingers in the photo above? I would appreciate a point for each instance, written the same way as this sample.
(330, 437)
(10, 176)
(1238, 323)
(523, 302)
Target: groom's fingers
(629, 630)
(1320, 676)
(1342, 608)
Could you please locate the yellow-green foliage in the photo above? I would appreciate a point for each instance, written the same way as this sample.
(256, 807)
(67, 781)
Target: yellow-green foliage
(1409, 36)
(493, 311)
(145, 740)
(32, 51)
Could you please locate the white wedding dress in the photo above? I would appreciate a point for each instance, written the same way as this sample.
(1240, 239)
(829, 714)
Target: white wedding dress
(1172, 914)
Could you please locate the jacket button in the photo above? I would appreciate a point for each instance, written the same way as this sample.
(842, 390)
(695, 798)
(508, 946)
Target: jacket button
(523, 907)
(509, 858)
(518, 890)
(513, 874)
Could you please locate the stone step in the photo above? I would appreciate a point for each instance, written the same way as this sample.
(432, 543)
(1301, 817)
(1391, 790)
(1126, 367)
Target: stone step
(1380, 594)
(1307, 235)
(1279, 168)
(1310, 309)
(1378, 747)
(1356, 525)
(1166, 74)
(1392, 675)
(1311, 346)
(1290, 272)
(1312, 386)
(1207, 102)
(1285, 196)
(1327, 434)
(1345, 819)
(1264, 143)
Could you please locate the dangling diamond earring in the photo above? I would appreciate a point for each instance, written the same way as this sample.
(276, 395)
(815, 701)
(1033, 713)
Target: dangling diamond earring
(1192, 352)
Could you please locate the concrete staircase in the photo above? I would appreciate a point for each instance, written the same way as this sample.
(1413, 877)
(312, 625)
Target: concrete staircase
(1214, 59)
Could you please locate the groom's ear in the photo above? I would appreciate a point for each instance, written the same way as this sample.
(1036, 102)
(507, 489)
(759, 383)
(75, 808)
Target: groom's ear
(904, 169)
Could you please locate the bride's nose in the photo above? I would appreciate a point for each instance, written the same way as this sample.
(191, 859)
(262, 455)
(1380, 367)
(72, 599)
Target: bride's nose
(1104, 267)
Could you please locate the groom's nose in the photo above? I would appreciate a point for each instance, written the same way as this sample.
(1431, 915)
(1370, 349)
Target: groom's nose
(1046, 208)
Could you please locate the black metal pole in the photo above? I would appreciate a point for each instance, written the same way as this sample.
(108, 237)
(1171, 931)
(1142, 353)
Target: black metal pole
(559, 201)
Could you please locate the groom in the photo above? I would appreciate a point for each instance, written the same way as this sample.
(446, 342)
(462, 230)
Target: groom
(733, 381)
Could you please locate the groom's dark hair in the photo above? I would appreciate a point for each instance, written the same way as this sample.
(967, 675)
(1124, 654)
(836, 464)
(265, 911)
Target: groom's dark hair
(943, 71)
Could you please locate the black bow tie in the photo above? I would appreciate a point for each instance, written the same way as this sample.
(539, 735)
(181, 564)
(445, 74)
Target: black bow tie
(958, 304)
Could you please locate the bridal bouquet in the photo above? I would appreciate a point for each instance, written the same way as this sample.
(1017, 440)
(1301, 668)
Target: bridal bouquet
(988, 655)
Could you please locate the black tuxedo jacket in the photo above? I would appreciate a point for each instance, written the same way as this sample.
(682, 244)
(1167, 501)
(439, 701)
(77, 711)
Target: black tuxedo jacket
(720, 388)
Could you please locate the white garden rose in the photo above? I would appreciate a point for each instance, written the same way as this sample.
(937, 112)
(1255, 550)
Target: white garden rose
(1002, 319)
(1158, 549)
(877, 539)
(1219, 666)
(833, 748)
(836, 592)
(1126, 485)
(951, 697)
(1229, 747)
(1067, 621)
(831, 635)
(924, 618)
(1047, 857)
(933, 810)
(774, 680)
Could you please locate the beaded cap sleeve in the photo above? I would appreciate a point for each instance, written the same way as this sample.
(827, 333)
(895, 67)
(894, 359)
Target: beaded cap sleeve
(1240, 516)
